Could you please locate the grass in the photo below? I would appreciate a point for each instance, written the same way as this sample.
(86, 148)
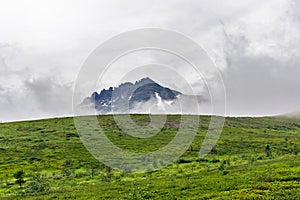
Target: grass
(57, 165)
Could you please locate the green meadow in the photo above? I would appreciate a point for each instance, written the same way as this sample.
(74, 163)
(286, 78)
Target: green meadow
(255, 158)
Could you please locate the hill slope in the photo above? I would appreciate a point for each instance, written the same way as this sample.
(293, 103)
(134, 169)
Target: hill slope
(56, 164)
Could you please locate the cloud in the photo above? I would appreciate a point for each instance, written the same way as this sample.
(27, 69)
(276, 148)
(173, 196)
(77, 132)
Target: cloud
(38, 97)
(43, 44)
(50, 96)
(263, 66)
(26, 93)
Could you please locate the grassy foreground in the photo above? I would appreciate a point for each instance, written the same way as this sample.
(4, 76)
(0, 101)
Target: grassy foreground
(255, 158)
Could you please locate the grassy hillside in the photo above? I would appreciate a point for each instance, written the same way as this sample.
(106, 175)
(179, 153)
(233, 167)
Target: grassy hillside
(255, 158)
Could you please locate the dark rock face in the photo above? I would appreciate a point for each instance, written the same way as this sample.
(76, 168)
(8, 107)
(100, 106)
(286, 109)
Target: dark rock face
(127, 94)
(145, 92)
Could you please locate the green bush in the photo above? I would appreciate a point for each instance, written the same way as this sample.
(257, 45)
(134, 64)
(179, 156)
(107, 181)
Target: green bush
(20, 178)
(38, 184)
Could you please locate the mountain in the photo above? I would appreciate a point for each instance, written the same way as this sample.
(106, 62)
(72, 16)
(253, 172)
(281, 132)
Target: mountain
(129, 96)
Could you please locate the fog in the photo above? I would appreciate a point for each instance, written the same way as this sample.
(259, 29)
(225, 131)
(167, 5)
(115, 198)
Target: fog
(43, 44)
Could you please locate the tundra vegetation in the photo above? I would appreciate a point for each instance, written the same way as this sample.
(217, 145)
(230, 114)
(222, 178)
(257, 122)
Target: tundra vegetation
(255, 158)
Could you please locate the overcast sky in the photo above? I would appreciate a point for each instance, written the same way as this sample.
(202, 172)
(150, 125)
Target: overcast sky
(43, 44)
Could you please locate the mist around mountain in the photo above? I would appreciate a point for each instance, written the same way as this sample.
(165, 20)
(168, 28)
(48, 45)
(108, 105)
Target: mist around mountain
(295, 115)
(143, 96)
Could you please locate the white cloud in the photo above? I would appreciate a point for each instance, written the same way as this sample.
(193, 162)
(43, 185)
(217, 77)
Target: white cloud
(43, 44)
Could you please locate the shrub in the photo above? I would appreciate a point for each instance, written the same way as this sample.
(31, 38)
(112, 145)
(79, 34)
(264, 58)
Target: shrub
(215, 160)
(38, 184)
(108, 175)
(20, 178)
(225, 172)
(67, 169)
(268, 151)
(185, 160)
